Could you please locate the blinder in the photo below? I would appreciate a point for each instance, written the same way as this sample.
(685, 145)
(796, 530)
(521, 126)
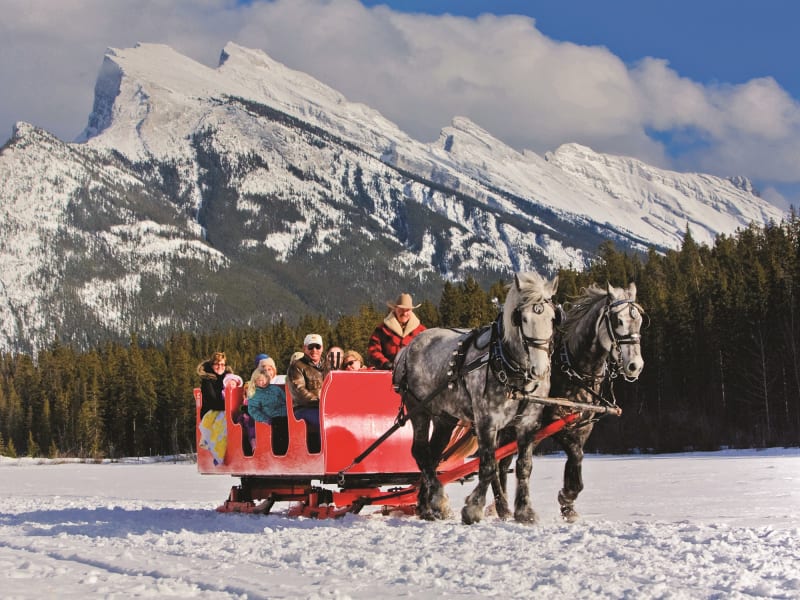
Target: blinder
(613, 320)
(560, 315)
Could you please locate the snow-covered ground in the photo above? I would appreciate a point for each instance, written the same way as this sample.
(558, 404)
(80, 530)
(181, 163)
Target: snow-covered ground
(718, 525)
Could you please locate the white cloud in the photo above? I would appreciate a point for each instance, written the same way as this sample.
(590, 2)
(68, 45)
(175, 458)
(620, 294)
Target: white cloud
(419, 71)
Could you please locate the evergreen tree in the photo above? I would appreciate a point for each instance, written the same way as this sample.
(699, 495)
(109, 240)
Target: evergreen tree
(33, 447)
(428, 314)
(721, 350)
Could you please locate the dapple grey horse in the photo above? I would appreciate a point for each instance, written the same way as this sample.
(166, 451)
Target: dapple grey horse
(482, 376)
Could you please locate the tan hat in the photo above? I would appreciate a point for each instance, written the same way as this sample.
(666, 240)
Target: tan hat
(403, 301)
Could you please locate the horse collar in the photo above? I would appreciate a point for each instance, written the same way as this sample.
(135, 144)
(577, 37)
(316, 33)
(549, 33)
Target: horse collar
(457, 368)
(500, 363)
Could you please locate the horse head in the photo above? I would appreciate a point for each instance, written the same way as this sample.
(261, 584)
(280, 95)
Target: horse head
(529, 320)
(618, 329)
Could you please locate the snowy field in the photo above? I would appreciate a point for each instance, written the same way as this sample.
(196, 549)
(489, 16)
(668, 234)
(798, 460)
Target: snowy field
(718, 525)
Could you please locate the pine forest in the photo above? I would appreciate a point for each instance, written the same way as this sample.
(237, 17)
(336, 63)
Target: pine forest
(721, 347)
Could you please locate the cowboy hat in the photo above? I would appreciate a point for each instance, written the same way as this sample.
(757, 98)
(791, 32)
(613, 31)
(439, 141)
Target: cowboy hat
(403, 301)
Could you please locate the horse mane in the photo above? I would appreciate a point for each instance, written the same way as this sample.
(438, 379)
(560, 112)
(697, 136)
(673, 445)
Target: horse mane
(587, 306)
(533, 289)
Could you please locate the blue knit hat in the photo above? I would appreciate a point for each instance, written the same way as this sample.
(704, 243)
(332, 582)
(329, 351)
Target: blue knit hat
(260, 357)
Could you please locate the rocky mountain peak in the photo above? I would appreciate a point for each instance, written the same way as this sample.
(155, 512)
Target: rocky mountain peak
(212, 196)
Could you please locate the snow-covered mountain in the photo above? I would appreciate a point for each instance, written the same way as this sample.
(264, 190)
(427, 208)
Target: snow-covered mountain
(202, 197)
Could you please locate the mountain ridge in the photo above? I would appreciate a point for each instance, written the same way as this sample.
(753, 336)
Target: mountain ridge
(202, 196)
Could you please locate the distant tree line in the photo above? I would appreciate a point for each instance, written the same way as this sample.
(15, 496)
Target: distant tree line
(722, 359)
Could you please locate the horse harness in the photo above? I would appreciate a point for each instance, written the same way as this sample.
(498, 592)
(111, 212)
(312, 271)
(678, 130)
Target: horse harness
(512, 375)
(611, 368)
(495, 357)
(619, 340)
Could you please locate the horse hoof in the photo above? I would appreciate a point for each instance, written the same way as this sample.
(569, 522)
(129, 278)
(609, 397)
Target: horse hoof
(440, 507)
(471, 514)
(569, 514)
(491, 511)
(435, 514)
(527, 516)
(497, 510)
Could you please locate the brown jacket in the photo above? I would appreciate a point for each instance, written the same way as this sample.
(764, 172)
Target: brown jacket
(305, 382)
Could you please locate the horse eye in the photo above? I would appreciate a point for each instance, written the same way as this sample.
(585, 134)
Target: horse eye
(538, 308)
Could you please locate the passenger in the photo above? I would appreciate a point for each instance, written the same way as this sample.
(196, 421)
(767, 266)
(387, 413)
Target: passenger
(214, 374)
(282, 379)
(243, 417)
(305, 383)
(261, 361)
(267, 404)
(399, 327)
(335, 358)
(292, 358)
(248, 425)
(352, 361)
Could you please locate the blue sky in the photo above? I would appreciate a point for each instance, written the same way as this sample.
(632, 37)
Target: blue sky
(709, 85)
(707, 40)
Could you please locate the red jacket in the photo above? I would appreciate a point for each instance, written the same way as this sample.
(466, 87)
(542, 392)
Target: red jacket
(389, 337)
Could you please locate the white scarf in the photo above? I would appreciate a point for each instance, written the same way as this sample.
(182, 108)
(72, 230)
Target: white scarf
(394, 325)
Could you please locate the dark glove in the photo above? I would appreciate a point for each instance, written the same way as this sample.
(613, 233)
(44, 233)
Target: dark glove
(243, 409)
(387, 366)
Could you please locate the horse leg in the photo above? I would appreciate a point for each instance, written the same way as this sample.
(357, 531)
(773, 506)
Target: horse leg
(487, 473)
(523, 510)
(442, 432)
(500, 481)
(430, 487)
(572, 444)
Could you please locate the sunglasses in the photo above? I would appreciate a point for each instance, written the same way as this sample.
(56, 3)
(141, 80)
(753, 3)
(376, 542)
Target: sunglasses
(314, 347)
(219, 364)
(349, 363)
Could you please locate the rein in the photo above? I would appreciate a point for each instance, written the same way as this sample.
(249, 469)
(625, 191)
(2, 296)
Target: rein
(586, 381)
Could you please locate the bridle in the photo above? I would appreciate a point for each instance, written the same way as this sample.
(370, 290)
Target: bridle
(545, 345)
(612, 366)
(503, 366)
(614, 363)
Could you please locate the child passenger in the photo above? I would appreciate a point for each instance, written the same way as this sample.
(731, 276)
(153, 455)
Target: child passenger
(267, 403)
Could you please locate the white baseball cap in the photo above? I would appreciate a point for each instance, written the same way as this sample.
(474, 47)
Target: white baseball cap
(313, 338)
